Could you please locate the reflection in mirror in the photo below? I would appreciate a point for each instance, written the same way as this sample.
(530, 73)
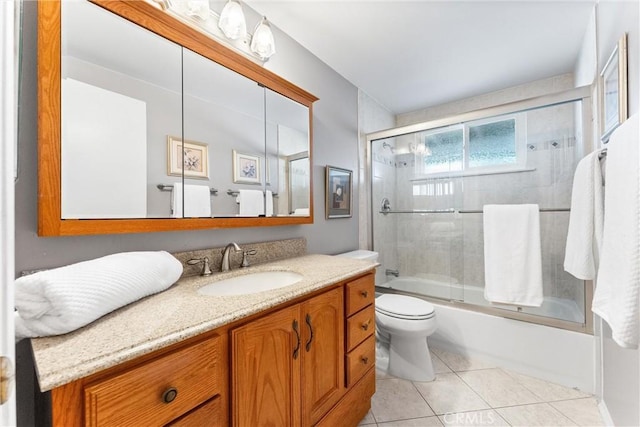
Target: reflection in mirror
(121, 98)
(224, 112)
(287, 147)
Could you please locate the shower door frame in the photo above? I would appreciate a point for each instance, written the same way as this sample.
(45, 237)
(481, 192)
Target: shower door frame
(582, 94)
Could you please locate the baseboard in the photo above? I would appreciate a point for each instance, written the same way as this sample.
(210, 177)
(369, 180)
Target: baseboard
(604, 413)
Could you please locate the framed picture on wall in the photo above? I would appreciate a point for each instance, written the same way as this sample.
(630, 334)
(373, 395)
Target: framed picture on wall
(194, 162)
(246, 168)
(613, 90)
(339, 187)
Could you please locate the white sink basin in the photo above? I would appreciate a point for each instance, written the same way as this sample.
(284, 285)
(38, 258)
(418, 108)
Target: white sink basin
(251, 283)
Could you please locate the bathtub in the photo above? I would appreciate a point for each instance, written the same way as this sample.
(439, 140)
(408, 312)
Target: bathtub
(442, 287)
(558, 355)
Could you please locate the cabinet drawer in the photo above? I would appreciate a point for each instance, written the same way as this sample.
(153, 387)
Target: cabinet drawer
(360, 293)
(208, 414)
(360, 326)
(144, 393)
(360, 360)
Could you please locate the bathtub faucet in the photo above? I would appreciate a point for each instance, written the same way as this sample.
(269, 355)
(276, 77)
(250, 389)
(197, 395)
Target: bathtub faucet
(390, 272)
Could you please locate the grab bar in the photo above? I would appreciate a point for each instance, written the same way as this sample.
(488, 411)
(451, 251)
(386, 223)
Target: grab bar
(462, 211)
(166, 187)
(235, 193)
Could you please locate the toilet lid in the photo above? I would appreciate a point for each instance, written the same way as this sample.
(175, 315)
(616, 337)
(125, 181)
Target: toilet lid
(404, 307)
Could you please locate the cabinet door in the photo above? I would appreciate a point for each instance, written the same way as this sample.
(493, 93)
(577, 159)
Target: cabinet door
(323, 358)
(266, 356)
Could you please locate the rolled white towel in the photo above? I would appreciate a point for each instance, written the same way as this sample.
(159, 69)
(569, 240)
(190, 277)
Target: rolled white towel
(61, 300)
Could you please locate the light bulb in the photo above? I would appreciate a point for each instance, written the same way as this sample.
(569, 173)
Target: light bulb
(262, 43)
(232, 22)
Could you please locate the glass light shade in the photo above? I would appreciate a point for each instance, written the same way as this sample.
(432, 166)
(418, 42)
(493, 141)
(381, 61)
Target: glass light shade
(199, 8)
(262, 43)
(232, 22)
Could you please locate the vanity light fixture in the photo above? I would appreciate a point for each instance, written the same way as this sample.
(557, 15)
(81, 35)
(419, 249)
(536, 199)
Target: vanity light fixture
(232, 22)
(262, 42)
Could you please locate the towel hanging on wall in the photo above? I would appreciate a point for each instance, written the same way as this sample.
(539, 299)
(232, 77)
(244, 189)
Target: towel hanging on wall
(512, 254)
(616, 298)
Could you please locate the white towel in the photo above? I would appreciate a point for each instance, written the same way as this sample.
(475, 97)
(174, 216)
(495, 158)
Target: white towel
(197, 201)
(512, 255)
(618, 281)
(268, 203)
(60, 300)
(584, 239)
(251, 202)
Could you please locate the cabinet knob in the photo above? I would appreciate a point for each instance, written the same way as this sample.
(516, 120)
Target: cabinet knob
(169, 395)
(365, 325)
(364, 360)
(364, 294)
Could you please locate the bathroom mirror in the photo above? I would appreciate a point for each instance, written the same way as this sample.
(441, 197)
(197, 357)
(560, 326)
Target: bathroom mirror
(167, 92)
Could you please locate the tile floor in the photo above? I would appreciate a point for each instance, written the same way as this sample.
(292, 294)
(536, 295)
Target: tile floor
(469, 392)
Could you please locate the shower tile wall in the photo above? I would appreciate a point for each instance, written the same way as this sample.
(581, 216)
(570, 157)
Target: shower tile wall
(449, 247)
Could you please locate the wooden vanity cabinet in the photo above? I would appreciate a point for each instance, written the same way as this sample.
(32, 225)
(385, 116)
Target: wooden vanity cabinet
(288, 367)
(308, 362)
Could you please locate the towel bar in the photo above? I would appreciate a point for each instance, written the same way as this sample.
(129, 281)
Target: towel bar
(167, 187)
(235, 193)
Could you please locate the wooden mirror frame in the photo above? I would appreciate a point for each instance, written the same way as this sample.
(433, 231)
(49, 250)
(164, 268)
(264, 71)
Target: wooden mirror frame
(151, 17)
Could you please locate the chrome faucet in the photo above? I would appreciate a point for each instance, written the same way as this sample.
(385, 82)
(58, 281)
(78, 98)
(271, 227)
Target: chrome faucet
(225, 256)
(206, 271)
(390, 272)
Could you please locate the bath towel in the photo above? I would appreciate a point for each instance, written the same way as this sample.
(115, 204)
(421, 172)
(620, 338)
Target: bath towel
(197, 201)
(60, 300)
(268, 203)
(584, 239)
(251, 202)
(512, 255)
(618, 281)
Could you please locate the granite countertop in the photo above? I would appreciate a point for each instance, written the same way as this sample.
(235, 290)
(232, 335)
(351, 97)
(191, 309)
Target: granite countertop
(174, 315)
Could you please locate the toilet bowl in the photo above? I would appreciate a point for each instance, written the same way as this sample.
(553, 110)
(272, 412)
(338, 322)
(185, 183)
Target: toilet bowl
(403, 324)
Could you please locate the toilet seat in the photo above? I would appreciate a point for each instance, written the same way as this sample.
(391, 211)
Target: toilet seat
(404, 307)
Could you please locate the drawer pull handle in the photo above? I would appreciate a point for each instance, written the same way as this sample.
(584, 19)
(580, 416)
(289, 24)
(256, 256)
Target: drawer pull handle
(365, 325)
(364, 294)
(308, 320)
(364, 360)
(169, 395)
(295, 329)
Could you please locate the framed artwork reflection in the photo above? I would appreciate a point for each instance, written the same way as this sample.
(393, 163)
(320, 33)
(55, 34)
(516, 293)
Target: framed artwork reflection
(193, 161)
(246, 168)
(613, 90)
(339, 187)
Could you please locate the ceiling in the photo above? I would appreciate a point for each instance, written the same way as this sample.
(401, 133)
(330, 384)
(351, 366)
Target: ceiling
(413, 54)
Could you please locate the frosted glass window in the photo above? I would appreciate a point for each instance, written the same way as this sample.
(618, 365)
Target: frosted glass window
(443, 151)
(492, 144)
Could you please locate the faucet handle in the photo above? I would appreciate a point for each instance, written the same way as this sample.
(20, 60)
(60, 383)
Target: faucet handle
(206, 269)
(245, 259)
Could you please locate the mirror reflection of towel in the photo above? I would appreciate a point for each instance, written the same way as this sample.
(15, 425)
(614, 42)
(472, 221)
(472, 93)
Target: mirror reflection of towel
(251, 202)
(268, 203)
(197, 201)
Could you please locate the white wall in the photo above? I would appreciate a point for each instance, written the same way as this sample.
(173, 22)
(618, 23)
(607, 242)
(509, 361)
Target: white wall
(620, 368)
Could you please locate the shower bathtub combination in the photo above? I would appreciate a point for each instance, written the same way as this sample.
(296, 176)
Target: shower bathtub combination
(428, 183)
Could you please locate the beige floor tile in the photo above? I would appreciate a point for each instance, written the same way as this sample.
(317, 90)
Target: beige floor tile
(475, 418)
(415, 422)
(439, 367)
(497, 388)
(448, 393)
(583, 412)
(546, 390)
(368, 420)
(539, 414)
(397, 399)
(458, 362)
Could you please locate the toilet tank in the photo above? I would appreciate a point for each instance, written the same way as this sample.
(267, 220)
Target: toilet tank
(361, 254)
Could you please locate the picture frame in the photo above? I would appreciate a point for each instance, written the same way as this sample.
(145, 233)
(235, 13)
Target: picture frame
(338, 192)
(613, 90)
(192, 163)
(247, 168)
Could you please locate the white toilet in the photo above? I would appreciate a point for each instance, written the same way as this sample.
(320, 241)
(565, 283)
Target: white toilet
(403, 324)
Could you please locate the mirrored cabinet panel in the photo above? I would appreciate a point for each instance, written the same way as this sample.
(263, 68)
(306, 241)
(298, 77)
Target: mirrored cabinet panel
(120, 98)
(148, 124)
(287, 151)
